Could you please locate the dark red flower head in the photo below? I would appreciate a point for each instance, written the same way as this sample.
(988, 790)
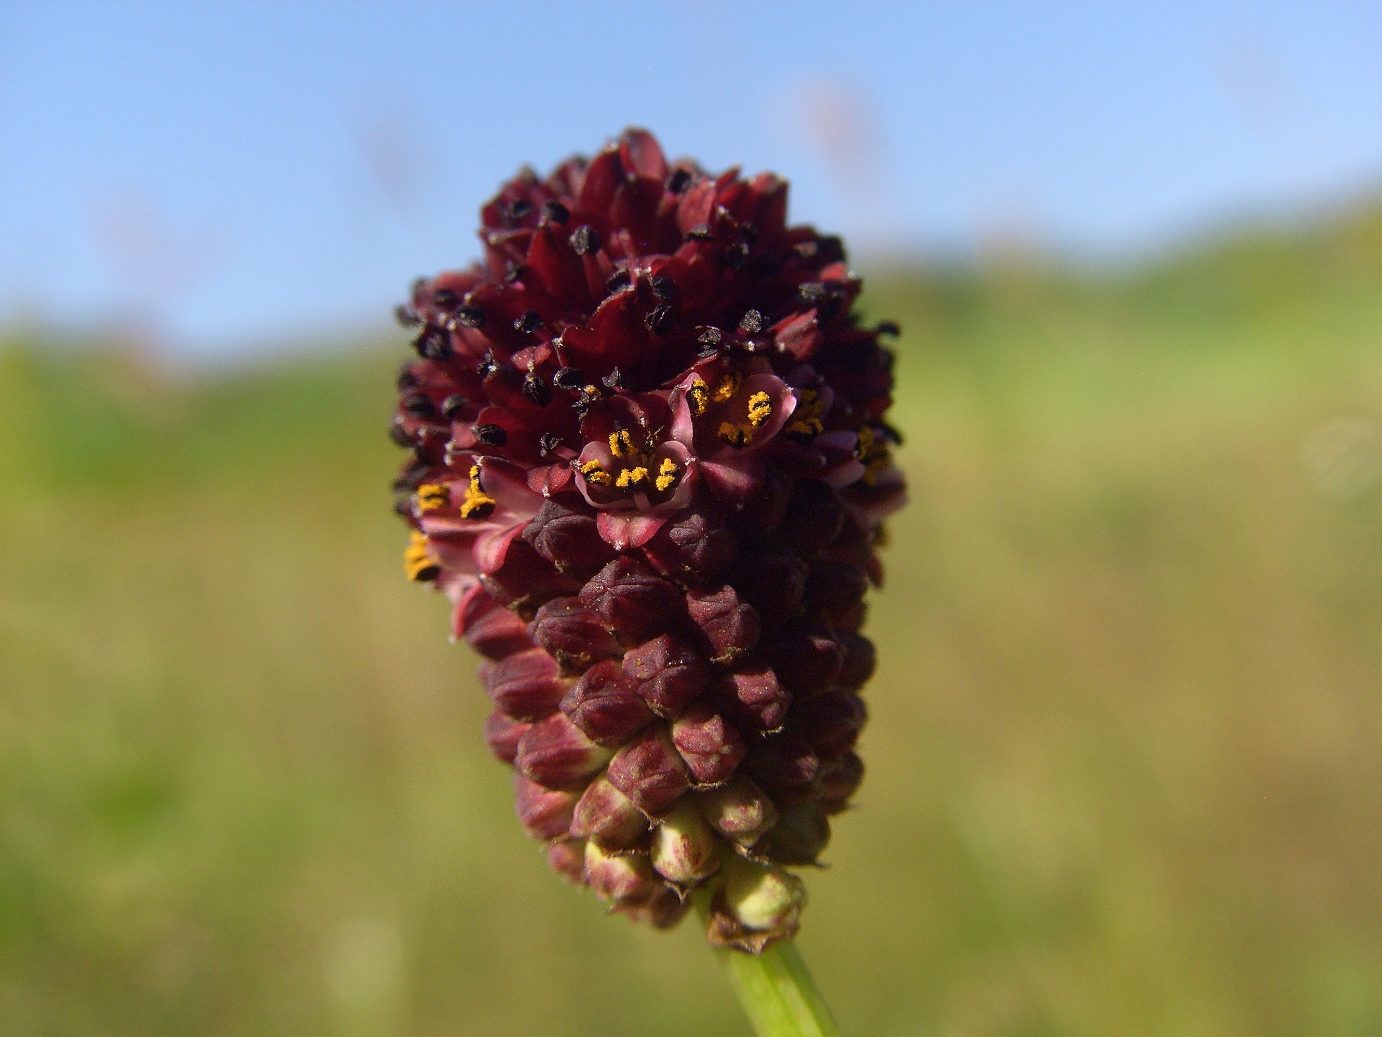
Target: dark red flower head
(649, 464)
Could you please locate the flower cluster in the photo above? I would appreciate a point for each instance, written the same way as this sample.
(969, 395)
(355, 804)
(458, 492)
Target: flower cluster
(649, 464)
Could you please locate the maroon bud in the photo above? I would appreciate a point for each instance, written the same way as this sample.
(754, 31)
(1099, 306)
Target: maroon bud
(607, 816)
(543, 813)
(754, 698)
(693, 549)
(730, 626)
(815, 515)
(573, 634)
(763, 513)
(664, 910)
(556, 754)
(526, 580)
(784, 765)
(739, 810)
(492, 631)
(649, 771)
(805, 656)
(502, 735)
(568, 539)
(631, 599)
(567, 858)
(839, 781)
(848, 620)
(667, 672)
(711, 747)
(525, 686)
(835, 586)
(799, 836)
(859, 663)
(622, 880)
(772, 582)
(831, 723)
(604, 705)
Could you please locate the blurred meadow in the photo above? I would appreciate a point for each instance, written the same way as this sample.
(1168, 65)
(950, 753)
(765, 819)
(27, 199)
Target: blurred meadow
(1123, 758)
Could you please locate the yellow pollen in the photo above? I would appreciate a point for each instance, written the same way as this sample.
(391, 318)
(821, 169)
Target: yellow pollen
(807, 427)
(666, 475)
(735, 435)
(477, 504)
(729, 385)
(631, 477)
(760, 408)
(699, 396)
(431, 496)
(417, 564)
(621, 443)
(595, 472)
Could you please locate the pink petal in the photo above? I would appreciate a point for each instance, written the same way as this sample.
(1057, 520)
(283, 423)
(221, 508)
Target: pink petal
(624, 532)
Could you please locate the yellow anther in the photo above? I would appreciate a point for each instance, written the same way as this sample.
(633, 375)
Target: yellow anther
(477, 504)
(729, 385)
(807, 428)
(874, 452)
(631, 477)
(595, 472)
(431, 496)
(666, 474)
(417, 564)
(760, 408)
(735, 435)
(621, 443)
(699, 395)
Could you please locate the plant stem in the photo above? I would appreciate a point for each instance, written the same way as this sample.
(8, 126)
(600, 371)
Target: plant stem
(776, 989)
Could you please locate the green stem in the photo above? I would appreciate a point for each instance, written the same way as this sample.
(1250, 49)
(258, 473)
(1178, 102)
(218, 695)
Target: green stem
(776, 989)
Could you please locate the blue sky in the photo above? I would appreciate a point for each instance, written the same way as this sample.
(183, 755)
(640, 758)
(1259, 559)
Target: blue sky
(227, 174)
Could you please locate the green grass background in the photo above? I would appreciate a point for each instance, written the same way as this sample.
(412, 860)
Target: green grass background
(1125, 757)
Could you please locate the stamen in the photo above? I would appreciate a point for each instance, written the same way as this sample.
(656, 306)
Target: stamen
(760, 408)
(736, 436)
(699, 395)
(595, 472)
(621, 443)
(729, 385)
(631, 477)
(431, 496)
(477, 503)
(417, 565)
(666, 474)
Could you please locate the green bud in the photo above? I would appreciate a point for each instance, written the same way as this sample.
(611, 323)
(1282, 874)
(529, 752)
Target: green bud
(755, 906)
(685, 849)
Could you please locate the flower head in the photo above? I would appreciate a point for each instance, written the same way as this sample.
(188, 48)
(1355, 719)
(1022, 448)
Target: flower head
(649, 464)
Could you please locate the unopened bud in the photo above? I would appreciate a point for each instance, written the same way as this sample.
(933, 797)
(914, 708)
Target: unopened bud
(525, 685)
(814, 518)
(839, 780)
(543, 813)
(622, 880)
(492, 631)
(555, 753)
(525, 580)
(834, 587)
(632, 600)
(805, 656)
(739, 810)
(785, 766)
(567, 858)
(754, 698)
(664, 910)
(666, 672)
(693, 549)
(568, 539)
(711, 747)
(649, 771)
(860, 661)
(763, 513)
(755, 906)
(604, 705)
(685, 849)
(799, 836)
(831, 723)
(730, 626)
(607, 816)
(772, 582)
(502, 735)
(573, 634)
